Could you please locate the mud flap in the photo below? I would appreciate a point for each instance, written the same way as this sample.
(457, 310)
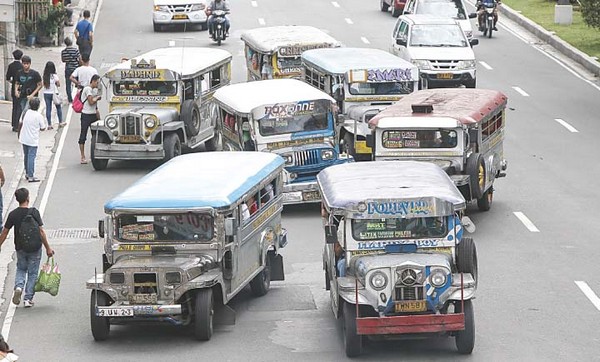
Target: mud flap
(224, 315)
(276, 263)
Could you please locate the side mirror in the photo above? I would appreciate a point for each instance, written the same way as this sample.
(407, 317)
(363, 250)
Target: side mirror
(472, 15)
(468, 224)
(331, 234)
(401, 42)
(101, 228)
(370, 140)
(474, 42)
(230, 226)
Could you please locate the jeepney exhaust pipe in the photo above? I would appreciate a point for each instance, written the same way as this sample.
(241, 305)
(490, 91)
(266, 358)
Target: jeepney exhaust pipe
(173, 321)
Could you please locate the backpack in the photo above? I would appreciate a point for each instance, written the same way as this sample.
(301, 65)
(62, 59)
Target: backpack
(30, 238)
(77, 103)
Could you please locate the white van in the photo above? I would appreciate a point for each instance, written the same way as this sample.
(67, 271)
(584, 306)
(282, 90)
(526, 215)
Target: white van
(438, 47)
(179, 12)
(454, 9)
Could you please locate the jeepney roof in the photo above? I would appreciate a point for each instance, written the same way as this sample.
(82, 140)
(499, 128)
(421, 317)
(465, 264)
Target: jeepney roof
(269, 39)
(344, 187)
(418, 122)
(466, 105)
(185, 61)
(244, 97)
(198, 180)
(342, 60)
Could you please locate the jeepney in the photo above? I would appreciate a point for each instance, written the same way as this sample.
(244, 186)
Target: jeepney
(460, 130)
(179, 254)
(396, 261)
(275, 51)
(286, 117)
(363, 82)
(160, 102)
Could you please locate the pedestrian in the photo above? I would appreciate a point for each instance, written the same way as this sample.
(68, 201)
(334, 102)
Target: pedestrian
(12, 74)
(27, 236)
(6, 353)
(29, 135)
(82, 75)
(51, 85)
(2, 181)
(84, 34)
(69, 56)
(90, 113)
(29, 83)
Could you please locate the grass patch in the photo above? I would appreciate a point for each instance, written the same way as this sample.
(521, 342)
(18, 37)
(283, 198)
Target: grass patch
(577, 34)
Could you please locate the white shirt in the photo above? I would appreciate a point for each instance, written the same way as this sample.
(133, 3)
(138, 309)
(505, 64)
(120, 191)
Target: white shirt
(84, 74)
(33, 123)
(9, 357)
(52, 89)
(87, 107)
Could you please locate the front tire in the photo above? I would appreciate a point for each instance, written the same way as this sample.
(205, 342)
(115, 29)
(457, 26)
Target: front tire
(203, 314)
(477, 175)
(465, 339)
(157, 28)
(100, 325)
(466, 258)
(172, 146)
(490, 26)
(99, 164)
(262, 281)
(485, 202)
(352, 341)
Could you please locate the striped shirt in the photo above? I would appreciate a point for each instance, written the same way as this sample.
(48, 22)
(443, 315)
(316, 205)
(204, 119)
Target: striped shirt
(70, 56)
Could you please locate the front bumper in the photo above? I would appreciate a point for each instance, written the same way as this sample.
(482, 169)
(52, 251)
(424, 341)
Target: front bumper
(433, 323)
(449, 79)
(301, 193)
(116, 151)
(139, 310)
(166, 18)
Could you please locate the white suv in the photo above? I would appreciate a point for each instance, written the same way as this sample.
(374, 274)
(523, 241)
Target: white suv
(179, 12)
(438, 47)
(454, 9)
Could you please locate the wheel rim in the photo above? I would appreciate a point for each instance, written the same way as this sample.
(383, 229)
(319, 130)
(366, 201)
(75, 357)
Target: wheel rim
(481, 178)
(196, 119)
(177, 149)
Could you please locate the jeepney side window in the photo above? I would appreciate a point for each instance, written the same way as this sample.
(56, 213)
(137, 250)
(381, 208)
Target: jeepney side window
(215, 77)
(204, 83)
(188, 89)
(267, 193)
(249, 208)
(492, 125)
(229, 121)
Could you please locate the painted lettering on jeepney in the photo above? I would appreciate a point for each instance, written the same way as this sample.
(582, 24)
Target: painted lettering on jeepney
(296, 50)
(289, 109)
(389, 75)
(399, 208)
(370, 245)
(293, 143)
(264, 216)
(141, 74)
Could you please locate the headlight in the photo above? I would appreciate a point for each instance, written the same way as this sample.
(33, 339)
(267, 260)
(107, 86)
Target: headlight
(197, 7)
(422, 64)
(161, 8)
(150, 122)
(173, 277)
(466, 64)
(378, 280)
(437, 278)
(289, 159)
(111, 122)
(327, 155)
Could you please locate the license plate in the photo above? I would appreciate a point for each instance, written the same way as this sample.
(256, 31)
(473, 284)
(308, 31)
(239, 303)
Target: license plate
(130, 138)
(311, 195)
(412, 306)
(114, 312)
(444, 75)
(142, 298)
(180, 16)
(361, 147)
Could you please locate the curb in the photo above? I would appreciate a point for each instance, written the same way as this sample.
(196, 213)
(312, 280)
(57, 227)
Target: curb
(562, 46)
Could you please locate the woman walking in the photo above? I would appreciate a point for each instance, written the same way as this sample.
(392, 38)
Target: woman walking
(51, 84)
(90, 113)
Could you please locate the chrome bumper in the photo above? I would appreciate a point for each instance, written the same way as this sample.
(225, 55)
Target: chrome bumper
(300, 193)
(117, 151)
(145, 310)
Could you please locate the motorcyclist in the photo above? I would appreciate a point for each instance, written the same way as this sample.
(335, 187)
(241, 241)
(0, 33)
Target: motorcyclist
(217, 5)
(481, 5)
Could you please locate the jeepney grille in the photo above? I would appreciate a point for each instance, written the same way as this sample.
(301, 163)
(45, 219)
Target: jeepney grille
(308, 157)
(145, 283)
(444, 64)
(180, 8)
(131, 125)
(409, 293)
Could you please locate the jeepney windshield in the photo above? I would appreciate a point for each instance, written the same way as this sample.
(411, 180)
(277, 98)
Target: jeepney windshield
(387, 229)
(385, 88)
(285, 118)
(424, 138)
(289, 62)
(165, 227)
(144, 88)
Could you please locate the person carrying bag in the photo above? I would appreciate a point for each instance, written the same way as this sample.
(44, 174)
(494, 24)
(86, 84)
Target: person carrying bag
(49, 278)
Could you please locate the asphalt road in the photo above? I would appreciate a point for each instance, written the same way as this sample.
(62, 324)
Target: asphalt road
(528, 305)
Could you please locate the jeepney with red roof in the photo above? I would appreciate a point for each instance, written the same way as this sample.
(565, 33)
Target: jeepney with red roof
(460, 130)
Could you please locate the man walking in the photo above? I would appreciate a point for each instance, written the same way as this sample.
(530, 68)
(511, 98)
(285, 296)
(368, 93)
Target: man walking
(84, 34)
(27, 237)
(29, 136)
(83, 74)
(29, 83)
(12, 74)
(69, 56)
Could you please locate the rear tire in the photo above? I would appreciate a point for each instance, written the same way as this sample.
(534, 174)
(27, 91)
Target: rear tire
(262, 281)
(352, 341)
(100, 325)
(172, 146)
(215, 143)
(485, 202)
(465, 339)
(395, 11)
(466, 258)
(99, 164)
(203, 315)
(383, 6)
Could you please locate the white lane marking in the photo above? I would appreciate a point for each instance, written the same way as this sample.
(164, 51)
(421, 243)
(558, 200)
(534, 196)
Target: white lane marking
(566, 125)
(365, 40)
(261, 21)
(485, 65)
(589, 293)
(349, 21)
(525, 220)
(520, 91)
(335, 4)
(254, 4)
(171, 43)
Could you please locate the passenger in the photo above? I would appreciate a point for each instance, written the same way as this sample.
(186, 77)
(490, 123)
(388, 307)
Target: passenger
(267, 194)
(340, 253)
(267, 68)
(245, 211)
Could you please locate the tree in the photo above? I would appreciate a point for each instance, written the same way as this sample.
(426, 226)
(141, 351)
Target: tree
(590, 11)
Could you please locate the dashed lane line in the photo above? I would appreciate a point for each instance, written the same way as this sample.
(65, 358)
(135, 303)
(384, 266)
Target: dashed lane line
(520, 91)
(365, 40)
(335, 4)
(485, 65)
(261, 21)
(566, 125)
(525, 220)
(589, 293)
(254, 4)
(349, 21)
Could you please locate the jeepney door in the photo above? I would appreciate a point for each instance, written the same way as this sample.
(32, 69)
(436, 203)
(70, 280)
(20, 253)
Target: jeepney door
(231, 250)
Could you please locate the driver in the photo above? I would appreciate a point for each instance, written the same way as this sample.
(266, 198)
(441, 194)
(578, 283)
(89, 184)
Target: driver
(217, 5)
(481, 5)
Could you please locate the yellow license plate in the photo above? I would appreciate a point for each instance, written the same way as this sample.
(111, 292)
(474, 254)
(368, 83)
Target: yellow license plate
(444, 75)
(311, 195)
(130, 138)
(180, 16)
(412, 306)
(361, 147)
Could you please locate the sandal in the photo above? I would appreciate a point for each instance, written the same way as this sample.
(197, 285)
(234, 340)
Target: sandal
(84, 161)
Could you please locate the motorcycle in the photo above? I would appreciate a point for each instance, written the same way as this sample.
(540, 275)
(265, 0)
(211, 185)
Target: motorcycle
(219, 31)
(486, 25)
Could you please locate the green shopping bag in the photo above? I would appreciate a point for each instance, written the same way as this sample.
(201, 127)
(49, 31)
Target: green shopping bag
(49, 278)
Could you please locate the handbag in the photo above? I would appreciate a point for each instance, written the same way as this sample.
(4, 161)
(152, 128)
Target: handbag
(57, 98)
(48, 280)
